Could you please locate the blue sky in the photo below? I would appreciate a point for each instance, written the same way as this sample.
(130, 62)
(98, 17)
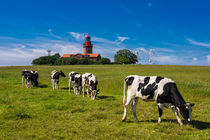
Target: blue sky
(178, 30)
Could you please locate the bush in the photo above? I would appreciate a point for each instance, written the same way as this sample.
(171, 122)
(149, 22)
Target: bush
(46, 60)
(66, 61)
(85, 61)
(104, 60)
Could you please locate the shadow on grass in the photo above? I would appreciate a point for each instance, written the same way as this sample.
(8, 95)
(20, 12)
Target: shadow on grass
(66, 88)
(43, 86)
(194, 123)
(106, 97)
(200, 125)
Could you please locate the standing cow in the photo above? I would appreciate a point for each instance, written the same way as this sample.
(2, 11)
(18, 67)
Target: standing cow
(89, 82)
(72, 79)
(55, 78)
(153, 88)
(77, 84)
(30, 77)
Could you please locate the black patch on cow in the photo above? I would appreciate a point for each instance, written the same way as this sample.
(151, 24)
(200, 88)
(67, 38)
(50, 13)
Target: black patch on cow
(158, 79)
(73, 75)
(93, 85)
(129, 81)
(149, 90)
(141, 85)
(90, 75)
(56, 75)
(78, 81)
(171, 95)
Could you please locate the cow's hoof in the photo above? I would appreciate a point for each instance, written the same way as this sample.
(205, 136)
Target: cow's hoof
(123, 119)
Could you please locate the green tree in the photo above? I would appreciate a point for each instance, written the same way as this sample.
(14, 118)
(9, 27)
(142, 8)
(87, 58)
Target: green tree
(125, 56)
(85, 61)
(50, 60)
(104, 60)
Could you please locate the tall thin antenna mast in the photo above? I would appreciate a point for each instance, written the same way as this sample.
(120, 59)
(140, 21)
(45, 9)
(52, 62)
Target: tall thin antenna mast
(151, 53)
(49, 51)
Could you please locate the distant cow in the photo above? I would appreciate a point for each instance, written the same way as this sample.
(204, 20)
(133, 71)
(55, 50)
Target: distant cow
(89, 82)
(55, 78)
(29, 77)
(71, 78)
(77, 84)
(153, 88)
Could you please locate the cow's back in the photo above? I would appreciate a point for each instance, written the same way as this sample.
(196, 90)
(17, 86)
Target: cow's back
(146, 87)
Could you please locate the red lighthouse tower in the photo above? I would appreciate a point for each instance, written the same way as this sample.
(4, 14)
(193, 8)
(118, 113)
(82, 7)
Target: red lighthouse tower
(87, 51)
(87, 46)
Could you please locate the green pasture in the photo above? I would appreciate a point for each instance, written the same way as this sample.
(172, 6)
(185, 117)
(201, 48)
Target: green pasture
(41, 113)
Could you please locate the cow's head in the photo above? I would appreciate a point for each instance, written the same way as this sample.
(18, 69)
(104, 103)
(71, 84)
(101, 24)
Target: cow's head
(186, 110)
(62, 74)
(94, 94)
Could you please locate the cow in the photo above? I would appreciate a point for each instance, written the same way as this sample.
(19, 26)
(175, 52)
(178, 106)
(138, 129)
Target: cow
(89, 82)
(155, 88)
(55, 78)
(72, 79)
(29, 77)
(77, 84)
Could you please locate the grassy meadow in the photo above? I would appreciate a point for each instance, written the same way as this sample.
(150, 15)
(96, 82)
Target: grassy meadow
(41, 113)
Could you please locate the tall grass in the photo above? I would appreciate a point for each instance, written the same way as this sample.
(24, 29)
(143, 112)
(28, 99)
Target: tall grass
(41, 113)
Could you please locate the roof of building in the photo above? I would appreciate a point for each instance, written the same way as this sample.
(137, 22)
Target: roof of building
(89, 55)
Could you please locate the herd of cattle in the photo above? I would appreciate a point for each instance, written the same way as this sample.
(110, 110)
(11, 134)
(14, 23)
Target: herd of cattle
(149, 88)
(80, 82)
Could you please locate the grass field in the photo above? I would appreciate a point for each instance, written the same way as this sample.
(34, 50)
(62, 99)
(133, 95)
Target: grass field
(41, 113)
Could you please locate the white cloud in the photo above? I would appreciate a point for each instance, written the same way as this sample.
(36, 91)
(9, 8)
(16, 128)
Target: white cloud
(168, 60)
(193, 42)
(195, 59)
(122, 39)
(77, 36)
(208, 58)
(53, 35)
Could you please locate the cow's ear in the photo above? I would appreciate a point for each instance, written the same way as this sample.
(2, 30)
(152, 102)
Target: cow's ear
(98, 90)
(192, 104)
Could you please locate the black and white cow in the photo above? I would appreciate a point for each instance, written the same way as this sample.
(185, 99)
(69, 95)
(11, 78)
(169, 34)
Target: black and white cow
(154, 88)
(29, 77)
(89, 81)
(72, 79)
(55, 78)
(77, 84)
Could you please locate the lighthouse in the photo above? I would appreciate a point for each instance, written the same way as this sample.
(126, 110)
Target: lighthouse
(87, 51)
(87, 46)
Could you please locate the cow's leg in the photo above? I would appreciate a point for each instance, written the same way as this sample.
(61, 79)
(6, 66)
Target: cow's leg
(125, 107)
(87, 91)
(160, 110)
(177, 115)
(23, 79)
(57, 83)
(83, 89)
(133, 105)
(28, 83)
(53, 84)
(69, 85)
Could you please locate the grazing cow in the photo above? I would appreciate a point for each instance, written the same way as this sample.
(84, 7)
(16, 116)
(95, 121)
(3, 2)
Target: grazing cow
(30, 77)
(71, 78)
(77, 84)
(89, 81)
(55, 78)
(154, 88)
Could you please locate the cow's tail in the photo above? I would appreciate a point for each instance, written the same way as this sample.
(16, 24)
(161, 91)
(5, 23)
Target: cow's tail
(124, 100)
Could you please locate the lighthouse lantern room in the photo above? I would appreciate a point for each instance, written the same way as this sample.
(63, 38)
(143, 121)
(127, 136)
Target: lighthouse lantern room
(87, 46)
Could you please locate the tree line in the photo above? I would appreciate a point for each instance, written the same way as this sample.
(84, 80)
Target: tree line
(124, 56)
